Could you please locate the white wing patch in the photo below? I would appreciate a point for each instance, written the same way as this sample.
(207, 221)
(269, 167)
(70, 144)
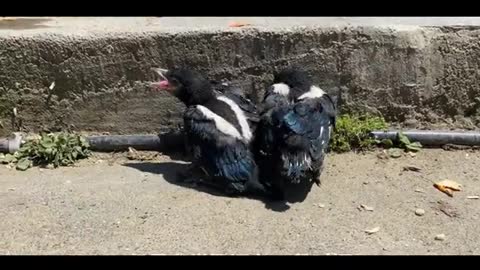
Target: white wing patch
(281, 89)
(242, 119)
(220, 123)
(315, 92)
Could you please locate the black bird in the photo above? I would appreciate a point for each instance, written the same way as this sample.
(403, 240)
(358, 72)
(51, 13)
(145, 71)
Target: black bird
(217, 131)
(293, 135)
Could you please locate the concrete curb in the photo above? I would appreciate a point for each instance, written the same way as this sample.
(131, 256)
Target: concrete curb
(416, 76)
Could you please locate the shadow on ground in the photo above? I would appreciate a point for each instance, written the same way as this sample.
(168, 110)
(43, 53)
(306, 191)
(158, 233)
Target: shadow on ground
(170, 172)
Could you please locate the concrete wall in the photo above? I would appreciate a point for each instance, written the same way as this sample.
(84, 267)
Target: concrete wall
(416, 76)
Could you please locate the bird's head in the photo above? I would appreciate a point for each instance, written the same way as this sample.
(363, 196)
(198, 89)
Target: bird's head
(187, 85)
(291, 82)
(293, 77)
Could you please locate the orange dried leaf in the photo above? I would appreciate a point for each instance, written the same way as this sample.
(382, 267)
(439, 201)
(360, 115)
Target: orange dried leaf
(238, 24)
(448, 186)
(444, 190)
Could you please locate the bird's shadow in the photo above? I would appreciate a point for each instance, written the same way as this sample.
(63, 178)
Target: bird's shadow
(170, 172)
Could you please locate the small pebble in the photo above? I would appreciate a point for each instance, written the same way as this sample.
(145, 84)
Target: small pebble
(419, 212)
(440, 237)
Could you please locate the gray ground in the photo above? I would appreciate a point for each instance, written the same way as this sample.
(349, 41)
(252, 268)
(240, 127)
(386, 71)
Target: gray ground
(108, 205)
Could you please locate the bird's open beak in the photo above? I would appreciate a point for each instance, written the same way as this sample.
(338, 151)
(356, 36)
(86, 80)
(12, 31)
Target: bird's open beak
(163, 84)
(161, 72)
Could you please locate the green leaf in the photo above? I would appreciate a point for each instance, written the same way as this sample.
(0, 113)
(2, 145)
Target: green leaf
(69, 157)
(47, 145)
(395, 152)
(415, 147)
(53, 148)
(23, 164)
(387, 143)
(403, 139)
(9, 158)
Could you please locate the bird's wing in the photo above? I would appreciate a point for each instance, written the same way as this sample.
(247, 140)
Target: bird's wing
(307, 125)
(226, 156)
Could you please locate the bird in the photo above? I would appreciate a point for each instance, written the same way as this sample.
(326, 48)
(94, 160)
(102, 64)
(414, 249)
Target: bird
(291, 141)
(217, 130)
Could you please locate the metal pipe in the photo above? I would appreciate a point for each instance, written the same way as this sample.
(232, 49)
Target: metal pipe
(433, 138)
(174, 141)
(170, 141)
(11, 144)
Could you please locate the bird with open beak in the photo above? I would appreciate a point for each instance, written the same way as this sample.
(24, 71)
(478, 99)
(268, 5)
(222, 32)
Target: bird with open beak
(217, 130)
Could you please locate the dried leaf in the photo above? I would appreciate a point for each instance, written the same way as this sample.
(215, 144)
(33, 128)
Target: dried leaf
(238, 24)
(448, 186)
(366, 207)
(412, 168)
(444, 190)
(372, 231)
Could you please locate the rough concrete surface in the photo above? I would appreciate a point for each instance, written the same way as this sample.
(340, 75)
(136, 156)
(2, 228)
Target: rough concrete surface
(109, 205)
(420, 72)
